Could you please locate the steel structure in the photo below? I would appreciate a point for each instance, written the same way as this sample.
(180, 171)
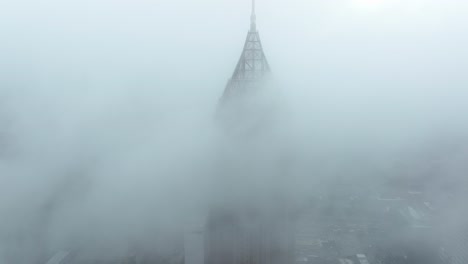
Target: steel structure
(247, 231)
(252, 65)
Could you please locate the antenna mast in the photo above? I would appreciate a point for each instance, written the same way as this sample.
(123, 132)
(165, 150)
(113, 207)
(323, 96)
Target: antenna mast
(253, 18)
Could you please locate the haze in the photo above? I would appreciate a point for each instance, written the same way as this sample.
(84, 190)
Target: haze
(107, 109)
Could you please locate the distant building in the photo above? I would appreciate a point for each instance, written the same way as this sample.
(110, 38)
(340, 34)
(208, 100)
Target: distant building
(61, 257)
(455, 250)
(194, 248)
(357, 259)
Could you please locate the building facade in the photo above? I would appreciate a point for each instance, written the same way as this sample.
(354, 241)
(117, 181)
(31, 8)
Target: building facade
(251, 228)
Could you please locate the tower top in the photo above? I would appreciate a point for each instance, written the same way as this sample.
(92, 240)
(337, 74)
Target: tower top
(253, 18)
(252, 65)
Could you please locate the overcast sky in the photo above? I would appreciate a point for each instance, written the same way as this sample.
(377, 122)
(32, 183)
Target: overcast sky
(135, 83)
(340, 52)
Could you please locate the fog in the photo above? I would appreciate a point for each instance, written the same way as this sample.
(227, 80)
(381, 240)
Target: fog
(107, 111)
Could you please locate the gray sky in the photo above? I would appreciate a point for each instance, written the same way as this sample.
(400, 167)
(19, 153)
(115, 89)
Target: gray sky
(353, 53)
(135, 83)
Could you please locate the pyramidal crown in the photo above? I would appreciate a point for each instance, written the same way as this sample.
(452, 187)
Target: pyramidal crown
(252, 65)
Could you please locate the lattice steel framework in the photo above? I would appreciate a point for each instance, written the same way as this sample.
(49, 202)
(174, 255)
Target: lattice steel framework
(252, 65)
(246, 232)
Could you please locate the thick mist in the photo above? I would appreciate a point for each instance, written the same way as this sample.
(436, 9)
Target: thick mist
(108, 139)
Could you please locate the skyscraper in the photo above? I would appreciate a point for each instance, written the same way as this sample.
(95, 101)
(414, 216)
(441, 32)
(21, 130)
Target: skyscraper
(250, 228)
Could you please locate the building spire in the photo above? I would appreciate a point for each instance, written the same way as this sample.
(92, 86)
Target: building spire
(253, 18)
(252, 65)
